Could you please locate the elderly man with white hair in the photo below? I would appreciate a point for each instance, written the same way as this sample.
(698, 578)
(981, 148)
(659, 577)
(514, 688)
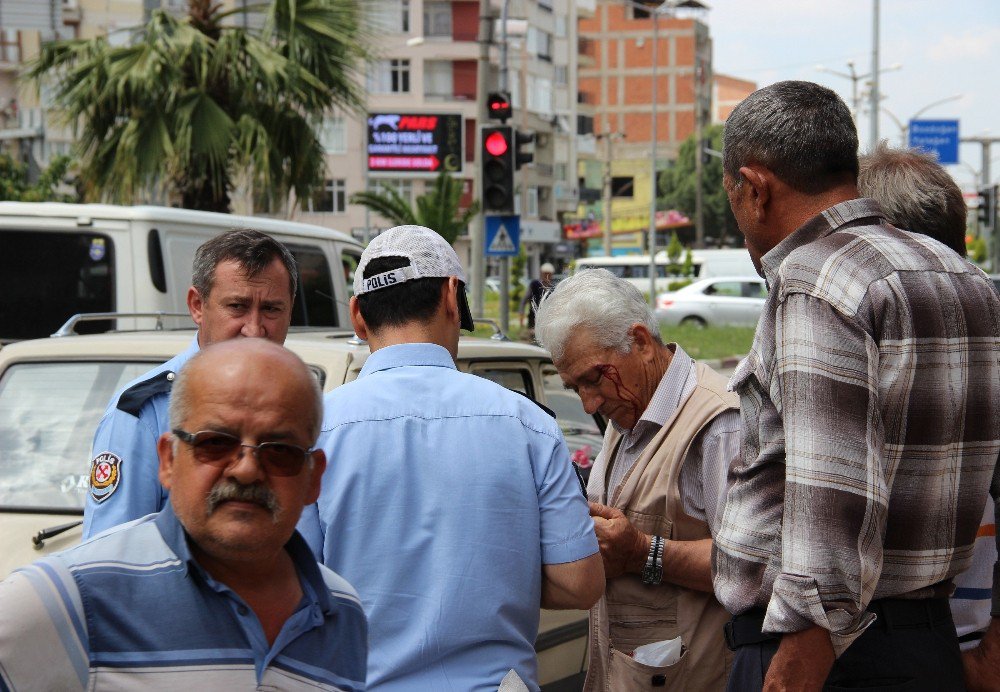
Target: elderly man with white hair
(657, 488)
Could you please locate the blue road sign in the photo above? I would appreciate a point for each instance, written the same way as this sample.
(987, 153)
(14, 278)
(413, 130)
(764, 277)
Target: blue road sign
(939, 137)
(503, 235)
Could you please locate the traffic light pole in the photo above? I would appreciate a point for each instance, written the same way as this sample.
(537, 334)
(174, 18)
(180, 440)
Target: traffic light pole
(477, 228)
(987, 181)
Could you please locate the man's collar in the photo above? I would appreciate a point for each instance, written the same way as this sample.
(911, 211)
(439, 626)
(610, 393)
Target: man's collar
(400, 355)
(819, 226)
(176, 538)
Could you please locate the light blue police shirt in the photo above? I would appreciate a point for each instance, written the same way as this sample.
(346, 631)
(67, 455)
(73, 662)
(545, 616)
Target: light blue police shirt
(443, 497)
(132, 610)
(124, 466)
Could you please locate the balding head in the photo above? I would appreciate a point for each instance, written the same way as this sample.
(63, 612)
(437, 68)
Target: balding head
(249, 363)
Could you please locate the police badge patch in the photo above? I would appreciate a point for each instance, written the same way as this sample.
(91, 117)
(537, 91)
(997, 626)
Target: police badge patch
(105, 473)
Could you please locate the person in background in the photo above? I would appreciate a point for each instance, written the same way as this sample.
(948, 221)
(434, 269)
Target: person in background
(917, 193)
(452, 503)
(871, 419)
(657, 486)
(216, 591)
(243, 285)
(533, 296)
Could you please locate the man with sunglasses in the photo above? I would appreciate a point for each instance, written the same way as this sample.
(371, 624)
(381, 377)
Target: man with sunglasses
(452, 500)
(243, 285)
(216, 591)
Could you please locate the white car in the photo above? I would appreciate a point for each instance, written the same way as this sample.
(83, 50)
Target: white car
(54, 391)
(721, 300)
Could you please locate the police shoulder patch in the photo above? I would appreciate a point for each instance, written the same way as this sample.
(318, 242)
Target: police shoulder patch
(105, 475)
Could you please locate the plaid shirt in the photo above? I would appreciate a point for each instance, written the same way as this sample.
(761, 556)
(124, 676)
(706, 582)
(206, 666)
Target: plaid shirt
(871, 420)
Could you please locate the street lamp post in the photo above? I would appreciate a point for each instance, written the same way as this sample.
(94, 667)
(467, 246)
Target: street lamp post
(853, 75)
(904, 128)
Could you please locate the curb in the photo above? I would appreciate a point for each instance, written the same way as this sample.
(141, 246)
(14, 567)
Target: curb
(723, 363)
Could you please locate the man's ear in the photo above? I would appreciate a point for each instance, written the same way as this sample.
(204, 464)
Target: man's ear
(450, 290)
(196, 305)
(642, 339)
(165, 450)
(316, 475)
(759, 189)
(357, 321)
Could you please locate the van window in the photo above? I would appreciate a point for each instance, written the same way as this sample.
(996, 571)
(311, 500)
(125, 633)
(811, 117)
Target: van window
(315, 304)
(48, 414)
(46, 278)
(350, 259)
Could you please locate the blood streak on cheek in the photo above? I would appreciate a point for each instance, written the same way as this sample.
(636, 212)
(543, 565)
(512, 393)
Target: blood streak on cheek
(624, 393)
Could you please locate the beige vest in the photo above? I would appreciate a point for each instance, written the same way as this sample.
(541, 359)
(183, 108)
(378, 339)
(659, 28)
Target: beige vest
(630, 613)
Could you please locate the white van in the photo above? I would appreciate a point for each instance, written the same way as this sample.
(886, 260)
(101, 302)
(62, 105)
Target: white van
(57, 260)
(706, 264)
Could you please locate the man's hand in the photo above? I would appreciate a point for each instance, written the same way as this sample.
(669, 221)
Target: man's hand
(982, 664)
(623, 548)
(802, 662)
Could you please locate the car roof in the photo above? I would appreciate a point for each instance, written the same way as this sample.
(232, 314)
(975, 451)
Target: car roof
(162, 345)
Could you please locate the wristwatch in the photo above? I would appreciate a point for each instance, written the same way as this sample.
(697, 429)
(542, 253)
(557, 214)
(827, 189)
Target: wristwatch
(652, 573)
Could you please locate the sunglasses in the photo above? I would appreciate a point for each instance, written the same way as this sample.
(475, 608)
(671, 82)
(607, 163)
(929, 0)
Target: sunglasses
(221, 449)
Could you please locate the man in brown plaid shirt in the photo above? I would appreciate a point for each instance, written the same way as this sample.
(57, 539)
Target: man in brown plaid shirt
(871, 420)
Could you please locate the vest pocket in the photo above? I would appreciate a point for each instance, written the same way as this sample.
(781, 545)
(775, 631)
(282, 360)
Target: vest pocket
(631, 631)
(626, 674)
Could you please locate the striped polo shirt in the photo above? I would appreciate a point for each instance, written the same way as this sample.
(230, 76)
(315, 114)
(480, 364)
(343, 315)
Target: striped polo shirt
(131, 610)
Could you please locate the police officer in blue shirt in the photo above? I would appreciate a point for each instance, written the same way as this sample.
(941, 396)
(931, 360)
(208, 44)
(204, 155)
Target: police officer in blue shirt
(243, 284)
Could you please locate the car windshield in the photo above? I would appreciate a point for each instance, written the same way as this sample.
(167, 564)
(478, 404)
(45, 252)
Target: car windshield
(48, 415)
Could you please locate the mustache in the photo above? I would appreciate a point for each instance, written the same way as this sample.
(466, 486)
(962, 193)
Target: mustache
(231, 490)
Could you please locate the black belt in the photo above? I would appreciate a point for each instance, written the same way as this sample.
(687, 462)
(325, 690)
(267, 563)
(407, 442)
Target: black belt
(890, 613)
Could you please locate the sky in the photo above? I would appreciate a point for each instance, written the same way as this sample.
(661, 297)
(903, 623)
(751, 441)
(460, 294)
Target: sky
(945, 48)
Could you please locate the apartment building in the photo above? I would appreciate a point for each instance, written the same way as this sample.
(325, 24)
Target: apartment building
(423, 89)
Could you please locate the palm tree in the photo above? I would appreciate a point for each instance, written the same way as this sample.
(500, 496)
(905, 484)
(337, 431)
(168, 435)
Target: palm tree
(191, 105)
(437, 208)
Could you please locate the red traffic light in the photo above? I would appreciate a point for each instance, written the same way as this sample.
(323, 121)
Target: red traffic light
(498, 106)
(496, 144)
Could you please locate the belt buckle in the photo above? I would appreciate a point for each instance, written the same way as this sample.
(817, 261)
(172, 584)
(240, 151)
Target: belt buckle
(727, 631)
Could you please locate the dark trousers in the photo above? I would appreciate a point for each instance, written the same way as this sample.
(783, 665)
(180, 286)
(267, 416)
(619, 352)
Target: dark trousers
(911, 645)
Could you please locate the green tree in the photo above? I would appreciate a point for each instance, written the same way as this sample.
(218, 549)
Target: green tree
(16, 185)
(677, 186)
(438, 208)
(190, 106)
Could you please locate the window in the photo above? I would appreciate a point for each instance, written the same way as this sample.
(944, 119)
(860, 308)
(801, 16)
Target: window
(540, 43)
(585, 124)
(349, 261)
(10, 45)
(437, 19)
(332, 198)
(561, 26)
(562, 75)
(47, 277)
(560, 171)
(48, 414)
(532, 201)
(390, 77)
(391, 16)
(332, 135)
(516, 379)
(315, 304)
(402, 186)
(622, 186)
(540, 95)
(438, 79)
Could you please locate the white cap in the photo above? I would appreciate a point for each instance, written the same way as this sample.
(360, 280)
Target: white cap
(430, 255)
(547, 268)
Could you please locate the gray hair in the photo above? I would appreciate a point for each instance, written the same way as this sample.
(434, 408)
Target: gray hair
(800, 131)
(180, 398)
(915, 192)
(596, 300)
(251, 249)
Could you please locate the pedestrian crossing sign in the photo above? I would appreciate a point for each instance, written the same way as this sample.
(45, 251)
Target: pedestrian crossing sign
(503, 234)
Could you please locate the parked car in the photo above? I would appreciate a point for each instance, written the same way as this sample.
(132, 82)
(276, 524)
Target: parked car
(53, 392)
(723, 300)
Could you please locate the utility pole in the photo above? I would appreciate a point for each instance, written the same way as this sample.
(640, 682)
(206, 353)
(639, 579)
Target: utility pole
(477, 229)
(608, 138)
(875, 96)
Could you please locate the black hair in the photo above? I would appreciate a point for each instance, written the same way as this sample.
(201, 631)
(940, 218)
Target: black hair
(414, 300)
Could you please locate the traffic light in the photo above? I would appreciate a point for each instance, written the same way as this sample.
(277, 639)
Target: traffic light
(498, 170)
(986, 202)
(498, 106)
(523, 157)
